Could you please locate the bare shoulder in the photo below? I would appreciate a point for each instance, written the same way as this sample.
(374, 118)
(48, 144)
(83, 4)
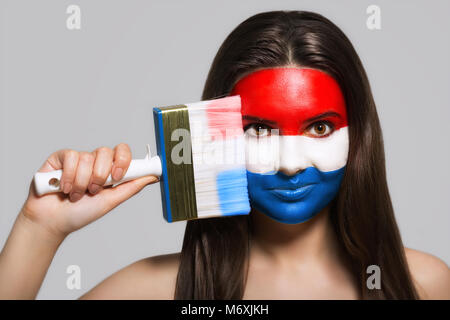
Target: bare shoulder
(430, 274)
(149, 278)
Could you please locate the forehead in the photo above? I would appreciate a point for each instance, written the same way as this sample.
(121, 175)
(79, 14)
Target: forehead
(298, 93)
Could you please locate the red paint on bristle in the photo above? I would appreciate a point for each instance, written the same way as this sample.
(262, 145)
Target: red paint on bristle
(224, 118)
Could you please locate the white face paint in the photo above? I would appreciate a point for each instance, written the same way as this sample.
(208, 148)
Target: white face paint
(271, 152)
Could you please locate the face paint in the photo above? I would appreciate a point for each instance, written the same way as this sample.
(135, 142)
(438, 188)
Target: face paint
(294, 173)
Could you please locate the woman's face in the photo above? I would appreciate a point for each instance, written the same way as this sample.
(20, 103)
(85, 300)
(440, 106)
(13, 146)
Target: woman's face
(295, 124)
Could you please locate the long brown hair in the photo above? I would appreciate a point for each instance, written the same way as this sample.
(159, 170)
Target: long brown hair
(215, 251)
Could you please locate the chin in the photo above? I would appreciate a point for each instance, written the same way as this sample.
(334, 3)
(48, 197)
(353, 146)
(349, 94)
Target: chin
(289, 213)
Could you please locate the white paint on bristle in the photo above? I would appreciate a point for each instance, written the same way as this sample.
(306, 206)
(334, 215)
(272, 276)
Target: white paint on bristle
(212, 156)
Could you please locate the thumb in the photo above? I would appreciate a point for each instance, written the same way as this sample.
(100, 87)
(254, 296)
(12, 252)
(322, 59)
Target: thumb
(112, 197)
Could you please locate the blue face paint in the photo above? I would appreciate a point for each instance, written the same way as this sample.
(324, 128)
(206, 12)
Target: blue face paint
(293, 199)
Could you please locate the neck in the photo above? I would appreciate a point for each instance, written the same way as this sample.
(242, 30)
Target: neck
(286, 244)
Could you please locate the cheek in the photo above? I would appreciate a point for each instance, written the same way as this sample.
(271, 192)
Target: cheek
(269, 154)
(326, 154)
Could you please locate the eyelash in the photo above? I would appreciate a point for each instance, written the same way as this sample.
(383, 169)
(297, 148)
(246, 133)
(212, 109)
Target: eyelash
(310, 127)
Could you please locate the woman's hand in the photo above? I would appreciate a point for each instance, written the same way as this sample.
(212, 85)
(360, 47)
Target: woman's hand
(84, 199)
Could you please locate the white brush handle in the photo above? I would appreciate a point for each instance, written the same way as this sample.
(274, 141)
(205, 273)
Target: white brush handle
(49, 182)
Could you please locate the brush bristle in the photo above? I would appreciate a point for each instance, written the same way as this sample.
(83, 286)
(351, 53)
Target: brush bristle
(219, 157)
(214, 184)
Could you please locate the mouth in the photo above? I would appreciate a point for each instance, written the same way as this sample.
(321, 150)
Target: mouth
(292, 194)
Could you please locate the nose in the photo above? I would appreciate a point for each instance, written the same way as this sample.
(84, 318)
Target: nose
(292, 156)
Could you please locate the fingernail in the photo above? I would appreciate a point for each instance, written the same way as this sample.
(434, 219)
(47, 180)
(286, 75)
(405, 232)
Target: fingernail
(94, 188)
(67, 187)
(75, 196)
(117, 173)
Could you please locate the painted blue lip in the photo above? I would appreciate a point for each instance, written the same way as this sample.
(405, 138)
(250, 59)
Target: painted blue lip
(292, 194)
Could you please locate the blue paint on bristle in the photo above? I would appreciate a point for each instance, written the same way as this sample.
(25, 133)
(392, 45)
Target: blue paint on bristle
(232, 191)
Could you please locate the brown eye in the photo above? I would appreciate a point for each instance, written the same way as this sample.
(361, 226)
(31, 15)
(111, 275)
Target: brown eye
(320, 129)
(258, 130)
(261, 129)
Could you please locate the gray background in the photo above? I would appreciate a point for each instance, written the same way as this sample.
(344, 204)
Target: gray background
(96, 86)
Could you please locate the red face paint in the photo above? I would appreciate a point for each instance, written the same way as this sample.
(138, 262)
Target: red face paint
(291, 99)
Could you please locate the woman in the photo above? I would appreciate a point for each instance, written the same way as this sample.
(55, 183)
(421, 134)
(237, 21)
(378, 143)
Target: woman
(314, 246)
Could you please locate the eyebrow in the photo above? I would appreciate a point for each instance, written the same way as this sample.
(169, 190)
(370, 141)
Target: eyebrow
(253, 118)
(312, 119)
(324, 115)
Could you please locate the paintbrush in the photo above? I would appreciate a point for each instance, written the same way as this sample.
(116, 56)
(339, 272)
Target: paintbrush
(200, 161)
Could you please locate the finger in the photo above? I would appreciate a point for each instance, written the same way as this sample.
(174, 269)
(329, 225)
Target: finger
(64, 159)
(122, 159)
(69, 158)
(112, 197)
(83, 175)
(102, 168)
(54, 161)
